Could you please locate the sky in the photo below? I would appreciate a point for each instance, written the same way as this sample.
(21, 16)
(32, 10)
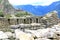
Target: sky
(32, 2)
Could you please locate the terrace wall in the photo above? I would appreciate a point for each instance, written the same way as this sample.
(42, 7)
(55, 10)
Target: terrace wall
(14, 21)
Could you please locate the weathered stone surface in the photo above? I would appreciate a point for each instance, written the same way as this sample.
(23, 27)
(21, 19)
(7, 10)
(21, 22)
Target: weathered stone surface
(3, 35)
(23, 36)
(5, 39)
(42, 39)
(50, 19)
(9, 34)
(48, 32)
(52, 33)
(14, 26)
(57, 27)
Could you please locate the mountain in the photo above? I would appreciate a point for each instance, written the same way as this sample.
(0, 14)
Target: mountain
(6, 7)
(40, 10)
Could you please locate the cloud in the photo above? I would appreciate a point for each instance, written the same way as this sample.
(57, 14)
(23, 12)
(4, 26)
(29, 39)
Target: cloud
(32, 2)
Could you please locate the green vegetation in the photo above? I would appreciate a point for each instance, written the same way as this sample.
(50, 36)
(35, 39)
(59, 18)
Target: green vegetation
(8, 9)
(0, 1)
(1, 14)
(8, 16)
(19, 14)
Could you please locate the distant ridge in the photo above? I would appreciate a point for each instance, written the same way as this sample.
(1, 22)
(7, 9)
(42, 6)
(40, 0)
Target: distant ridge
(40, 10)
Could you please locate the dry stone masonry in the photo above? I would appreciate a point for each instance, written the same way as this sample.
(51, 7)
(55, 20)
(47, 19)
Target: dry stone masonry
(30, 28)
(52, 33)
(44, 22)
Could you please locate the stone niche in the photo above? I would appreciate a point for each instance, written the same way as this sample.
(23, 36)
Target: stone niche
(48, 20)
(15, 21)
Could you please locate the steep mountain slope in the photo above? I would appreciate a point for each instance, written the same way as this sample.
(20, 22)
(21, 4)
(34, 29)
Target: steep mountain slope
(7, 7)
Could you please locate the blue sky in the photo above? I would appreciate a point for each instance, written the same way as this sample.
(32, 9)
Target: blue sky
(32, 2)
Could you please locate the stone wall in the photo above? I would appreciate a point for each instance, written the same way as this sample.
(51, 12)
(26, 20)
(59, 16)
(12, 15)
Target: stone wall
(14, 21)
(45, 20)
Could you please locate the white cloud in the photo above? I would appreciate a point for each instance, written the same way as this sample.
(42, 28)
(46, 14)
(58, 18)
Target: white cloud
(32, 2)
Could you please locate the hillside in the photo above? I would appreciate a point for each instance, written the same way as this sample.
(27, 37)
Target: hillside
(7, 8)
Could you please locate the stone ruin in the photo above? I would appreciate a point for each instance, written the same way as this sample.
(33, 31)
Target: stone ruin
(30, 27)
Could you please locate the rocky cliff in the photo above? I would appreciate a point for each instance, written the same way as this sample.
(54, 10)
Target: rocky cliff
(6, 7)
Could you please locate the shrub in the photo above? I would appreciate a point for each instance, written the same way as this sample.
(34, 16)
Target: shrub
(19, 14)
(8, 16)
(1, 14)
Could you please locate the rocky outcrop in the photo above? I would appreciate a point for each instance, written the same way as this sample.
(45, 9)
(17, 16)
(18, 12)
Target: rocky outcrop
(7, 7)
(49, 33)
(3, 35)
(50, 19)
(52, 33)
(23, 36)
